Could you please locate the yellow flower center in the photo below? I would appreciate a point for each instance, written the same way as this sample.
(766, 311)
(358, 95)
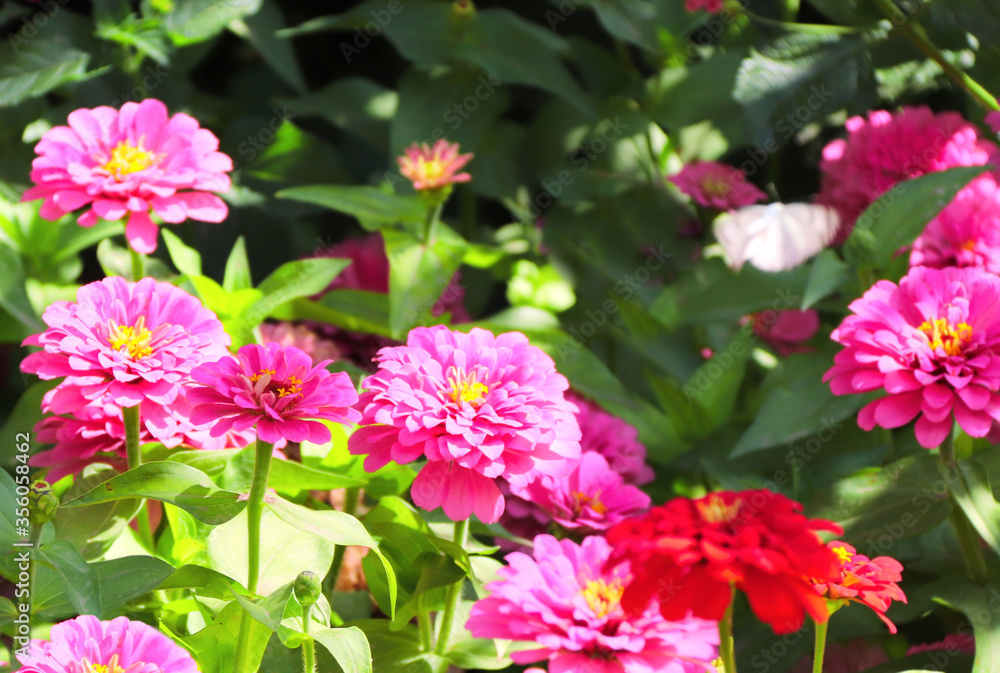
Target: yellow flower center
(602, 597)
(941, 334)
(581, 500)
(134, 340)
(111, 667)
(466, 387)
(713, 508)
(430, 170)
(290, 386)
(718, 665)
(128, 158)
(843, 554)
(715, 187)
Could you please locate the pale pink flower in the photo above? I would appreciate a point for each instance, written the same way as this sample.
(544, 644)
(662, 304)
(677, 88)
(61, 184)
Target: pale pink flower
(563, 600)
(433, 167)
(966, 232)
(133, 341)
(478, 407)
(275, 389)
(303, 338)
(131, 162)
(86, 645)
(716, 185)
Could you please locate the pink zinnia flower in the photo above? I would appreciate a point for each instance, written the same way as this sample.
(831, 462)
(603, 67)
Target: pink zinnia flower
(953, 642)
(130, 162)
(716, 185)
(966, 232)
(434, 167)
(478, 407)
(614, 439)
(712, 6)
(869, 581)
(890, 147)
(303, 338)
(933, 344)
(132, 341)
(276, 389)
(993, 119)
(786, 331)
(86, 644)
(563, 600)
(589, 499)
(855, 656)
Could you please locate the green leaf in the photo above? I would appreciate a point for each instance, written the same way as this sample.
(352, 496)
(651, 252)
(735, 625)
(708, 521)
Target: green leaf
(286, 476)
(13, 295)
(268, 611)
(26, 413)
(186, 259)
(970, 486)
(370, 205)
(186, 487)
(634, 21)
(716, 384)
(354, 310)
(977, 602)
(79, 579)
(361, 107)
(349, 646)
(193, 21)
(32, 67)
(398, 650)
(237, 275)
(279, 54)
(827, 274)
(902, 213)
(419, 274)
(93, 529)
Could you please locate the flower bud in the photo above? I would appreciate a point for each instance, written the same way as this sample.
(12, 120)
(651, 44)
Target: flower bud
(43, 503)
(308, 588)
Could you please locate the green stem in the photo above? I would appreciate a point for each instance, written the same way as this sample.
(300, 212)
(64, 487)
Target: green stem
(820, 650)
(133, 449)
(454, 595)
(255, 509)
(916, 34)
(138, 264)
(308, 645)
(430, 223)
(424, 622)
(351, 498)
(968, 539)
(726, 652)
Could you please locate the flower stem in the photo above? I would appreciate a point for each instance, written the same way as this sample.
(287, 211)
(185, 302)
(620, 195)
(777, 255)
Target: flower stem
(138, 264)
(916, 34)
(424, 622)
(454, 595)
(255, 509)
(308, 645)
(430, 224)
(133, 449)
(968, 539)
(820, 647)
(351, 498)
(726, 652)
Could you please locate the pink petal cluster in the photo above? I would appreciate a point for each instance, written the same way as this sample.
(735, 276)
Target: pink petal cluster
(932, 343)
(131, 162)
(966, 232)
(713, 6)
(589, 499)
(716, 185)
(133, 342)
(786, 331)
(953, 642)
(478, 407)
(563, 600)
(890, 147)
(993, 120)
(433, 167)
(301, 337)
(86, 645)
(614, 439)
(855, 656)
(276, 389)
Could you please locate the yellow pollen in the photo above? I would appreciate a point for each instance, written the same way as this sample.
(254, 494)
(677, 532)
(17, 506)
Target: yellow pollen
(128, 158)
(430, 170)
(581, 500)
(466, 387)
(294, 384)
(713, 508)
(940, 334)
(111, 667)
(134, 339)
(843, 554)
(969, 245)
(263, 372)
(602, 597)
(715, 187)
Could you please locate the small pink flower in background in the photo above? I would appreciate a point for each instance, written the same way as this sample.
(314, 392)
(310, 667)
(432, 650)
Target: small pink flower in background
(932, 343)
(131, 162)
(589, 499)
(890, 147)
(478, 407)
(993, 119)
(954, 642)
(303, 338)
(786, 331)
(712, 6)
(86, 644)
(275, 389)
(869, 581)
(562, 599)
(136, 342)
(966, 232)
(854, 656)
(716, 185)
(614, 439)
(433, 167)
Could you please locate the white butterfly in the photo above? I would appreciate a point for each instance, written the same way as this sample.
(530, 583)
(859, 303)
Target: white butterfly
(775, 237)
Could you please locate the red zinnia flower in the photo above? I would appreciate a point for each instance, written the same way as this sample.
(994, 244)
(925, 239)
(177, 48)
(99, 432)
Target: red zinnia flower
(871, 582)
(687, 553)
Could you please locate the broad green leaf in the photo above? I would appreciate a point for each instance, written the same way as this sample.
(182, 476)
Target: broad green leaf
(32, 67)
(186, 487)
(286, 476)
(192, 21)
(237, 275)
(79, 579)
(398, 650)
(826, 275)
(260, 29)
(26, 413)
(370, 205)
(977, 602)
(268, 611)
(716, 384)
(354, 310)
(214, 647)
(185, 258)
(13, 296)
(349, 646)
(970, 486)
(361, 107)
(93, 529)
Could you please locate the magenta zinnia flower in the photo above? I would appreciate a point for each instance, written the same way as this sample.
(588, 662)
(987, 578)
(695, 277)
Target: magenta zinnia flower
(614, 439)
(433, 167)
(890, 147)
(132, 341)
(933, 344)
(274, 388)
(564, 601)
(87, 645)
(716, 185)
(966, 232)
(787, 330)
(131, 162)
(478, 407)
(712, 6)
(589, 499)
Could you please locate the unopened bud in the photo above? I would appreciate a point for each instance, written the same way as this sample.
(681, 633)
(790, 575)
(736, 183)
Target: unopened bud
(42, 502)
(307, 588)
